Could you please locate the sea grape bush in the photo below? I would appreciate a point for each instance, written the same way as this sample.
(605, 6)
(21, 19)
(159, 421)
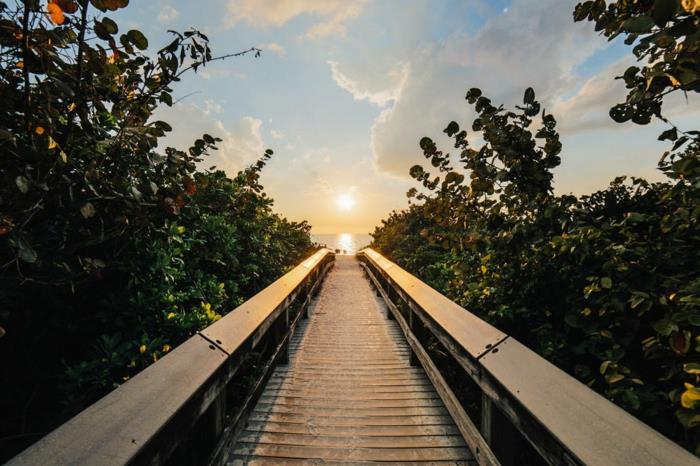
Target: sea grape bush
(606, 286)
(113, 249)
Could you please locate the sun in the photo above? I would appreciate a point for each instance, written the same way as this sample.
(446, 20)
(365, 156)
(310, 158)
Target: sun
(345, 202)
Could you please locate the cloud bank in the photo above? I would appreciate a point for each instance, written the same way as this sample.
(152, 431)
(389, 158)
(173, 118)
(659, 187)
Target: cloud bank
(242, 142)
(332, 14)
(531, 43)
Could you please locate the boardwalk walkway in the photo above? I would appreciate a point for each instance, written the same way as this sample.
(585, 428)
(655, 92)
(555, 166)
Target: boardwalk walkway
(349, 393)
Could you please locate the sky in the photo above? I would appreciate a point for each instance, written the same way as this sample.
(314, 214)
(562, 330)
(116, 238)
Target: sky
(345, 89)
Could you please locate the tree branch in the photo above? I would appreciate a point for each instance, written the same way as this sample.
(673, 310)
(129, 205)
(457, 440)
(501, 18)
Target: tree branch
(25, 70)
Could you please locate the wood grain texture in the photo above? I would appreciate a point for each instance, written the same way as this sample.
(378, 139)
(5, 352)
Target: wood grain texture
(349, 393)
(564, 420)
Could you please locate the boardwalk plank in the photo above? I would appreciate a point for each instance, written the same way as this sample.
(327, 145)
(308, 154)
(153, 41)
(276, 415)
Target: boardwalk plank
(349, 393)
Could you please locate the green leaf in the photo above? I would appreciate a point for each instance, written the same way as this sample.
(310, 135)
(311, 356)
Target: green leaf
(635, 217)
(101, 31)
(638, 24)
(87, 210)
(691, 368)
(110, 26)
(664, 11)
(529, 96)
(636, 300)
(669, 134)
(27, 254)
(22, 184)
(138, 39)
(606, 282)
(614, 378)
(6, 135)
(452, 128)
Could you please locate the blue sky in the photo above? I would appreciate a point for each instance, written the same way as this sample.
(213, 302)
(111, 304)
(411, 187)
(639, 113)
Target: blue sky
(345, 89)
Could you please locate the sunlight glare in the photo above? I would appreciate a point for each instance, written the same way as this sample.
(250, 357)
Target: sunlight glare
(346, 242)
(345, 202)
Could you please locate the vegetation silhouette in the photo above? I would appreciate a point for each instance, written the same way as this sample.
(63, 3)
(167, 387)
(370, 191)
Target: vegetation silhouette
(606, 286)
(113, 249)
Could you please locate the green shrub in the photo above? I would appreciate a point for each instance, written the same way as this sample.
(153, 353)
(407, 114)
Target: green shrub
(111, 252)
(606, 286)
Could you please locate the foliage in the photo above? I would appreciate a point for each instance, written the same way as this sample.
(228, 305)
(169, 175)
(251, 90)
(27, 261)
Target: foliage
(111, 251)
(666, 35)
(606, 286)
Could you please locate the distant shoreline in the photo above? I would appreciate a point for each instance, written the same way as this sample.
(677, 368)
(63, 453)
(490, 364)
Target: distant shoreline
(348, 242)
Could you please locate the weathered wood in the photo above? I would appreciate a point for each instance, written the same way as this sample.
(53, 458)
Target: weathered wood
(145, 419)
(280, 356)
(350, 453)
(472, 333)
(255, 316)
(590, 429)
(469, 431)
(349, 376)
(564, 420)
(142, 420)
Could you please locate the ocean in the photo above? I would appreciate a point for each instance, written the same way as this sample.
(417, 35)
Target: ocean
(348, 242)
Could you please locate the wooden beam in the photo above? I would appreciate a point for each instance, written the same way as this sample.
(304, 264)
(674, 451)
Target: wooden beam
(563, 419)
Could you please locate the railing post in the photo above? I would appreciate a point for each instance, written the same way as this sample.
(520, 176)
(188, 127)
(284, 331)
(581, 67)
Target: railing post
(307, 296)
(503, 438)
(486, 419)
(412, 358)
(281, 327)
(219, 408)
(391, 295)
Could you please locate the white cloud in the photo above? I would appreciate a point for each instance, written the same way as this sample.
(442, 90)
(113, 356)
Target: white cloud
(587, 109)
(319, 155)
(275, 48)
(241, 144)
(276, 134)
(535, 44)
(210, 106)
(332, 14)
(379, 90)
(167, 14)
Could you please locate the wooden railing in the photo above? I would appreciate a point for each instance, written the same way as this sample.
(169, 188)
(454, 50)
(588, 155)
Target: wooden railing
(565, 421)
(182, 409)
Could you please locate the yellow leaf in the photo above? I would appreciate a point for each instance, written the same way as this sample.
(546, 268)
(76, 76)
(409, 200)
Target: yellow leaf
(691, 6)
(142, 349)
(167, 348)
(55, 13)
(689, 398)
(171, 316)
(483, 269)
(39, 130)
(52, 143)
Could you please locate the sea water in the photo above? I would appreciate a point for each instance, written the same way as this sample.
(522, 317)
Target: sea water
(348, 242)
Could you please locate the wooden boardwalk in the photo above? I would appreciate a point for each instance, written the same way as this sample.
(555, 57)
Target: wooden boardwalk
(349, 393)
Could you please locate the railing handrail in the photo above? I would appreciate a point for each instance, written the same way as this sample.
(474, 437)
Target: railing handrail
(563, 419)
(143, 420)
